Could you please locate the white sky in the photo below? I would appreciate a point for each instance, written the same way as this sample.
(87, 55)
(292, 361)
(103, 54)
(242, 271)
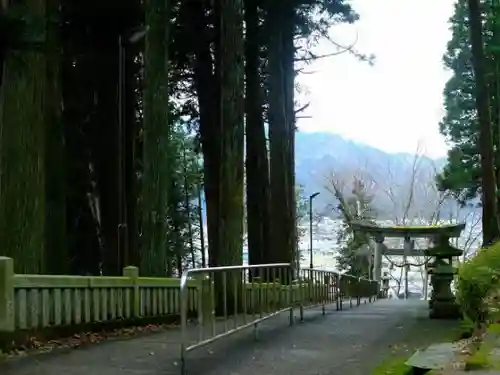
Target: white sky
(395, 105)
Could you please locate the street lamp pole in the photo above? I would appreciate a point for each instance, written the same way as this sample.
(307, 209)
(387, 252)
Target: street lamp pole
(311, 197)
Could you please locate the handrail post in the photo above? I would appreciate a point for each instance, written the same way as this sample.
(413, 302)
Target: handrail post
(183, 302)
(290, 294)
(132, 272)
(369, 289)
(350, 291)
(7, 321)
(326, 292)
(205, 304)
(341, 292)
(358, 291)
(336, 290)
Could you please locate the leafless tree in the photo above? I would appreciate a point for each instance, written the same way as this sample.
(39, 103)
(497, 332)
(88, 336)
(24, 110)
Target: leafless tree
(414, 199)
(419, 202)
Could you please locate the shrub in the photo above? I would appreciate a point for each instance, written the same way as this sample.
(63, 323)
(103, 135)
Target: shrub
(477, 281)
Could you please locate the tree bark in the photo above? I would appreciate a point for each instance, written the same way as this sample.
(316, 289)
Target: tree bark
(206, 89)
(156, 141)
(202, 227)
(56, 245)
(229, 67)
(29, 145)
(257, 163)
(280, 26)
(187, 207)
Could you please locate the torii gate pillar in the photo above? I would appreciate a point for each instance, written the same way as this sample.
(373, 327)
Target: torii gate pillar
(377, 258)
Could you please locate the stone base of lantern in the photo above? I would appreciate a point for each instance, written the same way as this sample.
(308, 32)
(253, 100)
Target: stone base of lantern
(445, 310)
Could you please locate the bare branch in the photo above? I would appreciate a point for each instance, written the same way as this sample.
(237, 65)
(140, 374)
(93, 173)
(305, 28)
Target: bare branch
(313, 57)
(303, 108)
(308, 72)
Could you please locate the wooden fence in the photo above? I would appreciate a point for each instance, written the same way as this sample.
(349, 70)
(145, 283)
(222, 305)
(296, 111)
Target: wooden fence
(38, 301)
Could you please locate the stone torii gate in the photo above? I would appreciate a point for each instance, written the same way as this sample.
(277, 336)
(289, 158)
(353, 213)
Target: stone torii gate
(441, 269)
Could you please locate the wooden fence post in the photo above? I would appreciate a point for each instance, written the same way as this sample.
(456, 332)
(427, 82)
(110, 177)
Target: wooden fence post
(133, 273)
(206, 303)
(7, 323)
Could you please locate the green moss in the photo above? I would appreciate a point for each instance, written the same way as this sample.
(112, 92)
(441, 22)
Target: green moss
(494, 329)
(392, 366)
(494, 312)
(494, 362)
(480, 359)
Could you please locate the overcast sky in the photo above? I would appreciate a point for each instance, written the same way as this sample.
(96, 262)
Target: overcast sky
(395, 105)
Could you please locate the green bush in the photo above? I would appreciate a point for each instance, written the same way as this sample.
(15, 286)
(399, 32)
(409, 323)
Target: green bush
(477, 281)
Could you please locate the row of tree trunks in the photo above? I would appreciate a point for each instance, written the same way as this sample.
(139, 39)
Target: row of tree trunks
(51, 229)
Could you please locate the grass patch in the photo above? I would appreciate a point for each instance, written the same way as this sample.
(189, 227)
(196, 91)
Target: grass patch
(480, 358)
(392, 366)
(494, 329)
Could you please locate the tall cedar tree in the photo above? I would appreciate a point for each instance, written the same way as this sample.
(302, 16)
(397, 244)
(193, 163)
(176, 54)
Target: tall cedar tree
(280, 27)
(229, 68)
(257, 162)
(491, 228)
(156, 139)
(32, 219)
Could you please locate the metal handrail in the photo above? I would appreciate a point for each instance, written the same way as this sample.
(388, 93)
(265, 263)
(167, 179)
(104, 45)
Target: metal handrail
(316, 288)
(321, 294)
(213, 271)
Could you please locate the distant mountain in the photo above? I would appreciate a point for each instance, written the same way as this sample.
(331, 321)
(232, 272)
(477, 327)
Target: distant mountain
(319, 155)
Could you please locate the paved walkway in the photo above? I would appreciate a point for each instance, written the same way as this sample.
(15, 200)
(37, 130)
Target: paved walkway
(351, 341)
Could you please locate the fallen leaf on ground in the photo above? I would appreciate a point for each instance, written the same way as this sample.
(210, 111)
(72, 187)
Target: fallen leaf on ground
(34, 345)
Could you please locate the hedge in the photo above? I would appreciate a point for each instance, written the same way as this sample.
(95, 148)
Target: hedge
(478, 283)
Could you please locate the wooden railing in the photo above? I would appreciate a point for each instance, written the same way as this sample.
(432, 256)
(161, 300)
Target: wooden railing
(39, 301)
